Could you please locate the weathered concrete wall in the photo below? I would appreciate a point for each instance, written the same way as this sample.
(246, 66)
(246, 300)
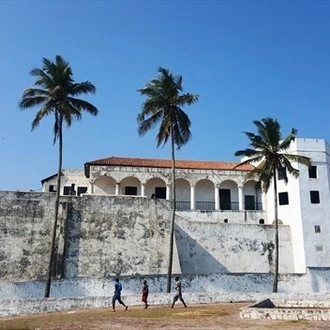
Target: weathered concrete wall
(107, 235)
(211, 247)
(314, 281)
(26, 222)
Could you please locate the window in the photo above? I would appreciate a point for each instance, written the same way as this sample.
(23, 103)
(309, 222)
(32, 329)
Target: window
(225, 199)
(281, 173)
(131, 191)
(262, 221)
(52, 188)
(315, 196)
(283, 198)
(67, 190)
(317, 229)
(160, 192)
(319, 248)
(250, 202)
(82, 190)
(312, 172)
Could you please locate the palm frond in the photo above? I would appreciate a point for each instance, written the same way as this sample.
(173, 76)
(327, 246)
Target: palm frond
(29, 102)
(82, 105)
(84, 87)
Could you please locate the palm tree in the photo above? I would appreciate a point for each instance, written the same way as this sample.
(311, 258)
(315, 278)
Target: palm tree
(268, 151)
(55, 92)
(164, 106)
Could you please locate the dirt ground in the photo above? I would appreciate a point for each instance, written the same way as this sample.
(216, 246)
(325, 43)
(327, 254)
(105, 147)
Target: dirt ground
(207, 316)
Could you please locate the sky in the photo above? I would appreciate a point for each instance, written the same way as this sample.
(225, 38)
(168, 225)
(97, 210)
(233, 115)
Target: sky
(246, 60)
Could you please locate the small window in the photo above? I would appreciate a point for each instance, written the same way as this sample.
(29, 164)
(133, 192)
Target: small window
(315, 196)
(225, 221)
(317, 229)
(281, 173)
(160, 192)
(82, 190)
(52, 188)
(283, 198)
(67, 190)
(131, 191)
(312, 172)
(319, 248)
(261, 221)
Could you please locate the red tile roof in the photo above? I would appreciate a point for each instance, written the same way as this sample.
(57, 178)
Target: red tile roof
(167, 163)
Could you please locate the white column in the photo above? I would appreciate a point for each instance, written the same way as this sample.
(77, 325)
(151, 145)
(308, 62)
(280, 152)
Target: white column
(91, 190)
(216, 197)
(168, 191)
(240, 198)
(143, 188)
(192, 197)
(117, 189)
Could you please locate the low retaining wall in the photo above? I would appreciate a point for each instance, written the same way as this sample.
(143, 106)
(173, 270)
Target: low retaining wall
(290, 308)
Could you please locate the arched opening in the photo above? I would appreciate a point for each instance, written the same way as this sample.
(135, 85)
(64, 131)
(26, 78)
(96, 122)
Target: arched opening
(252, 196)
(204, 195)
(104, 185)
(228, 195)
(130, 186)
(156, 188)
(182, 195)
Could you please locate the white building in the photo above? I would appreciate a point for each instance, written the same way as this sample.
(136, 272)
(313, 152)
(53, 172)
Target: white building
(216, 191)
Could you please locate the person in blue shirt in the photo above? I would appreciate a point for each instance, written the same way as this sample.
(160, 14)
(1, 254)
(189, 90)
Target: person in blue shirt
(117, 295)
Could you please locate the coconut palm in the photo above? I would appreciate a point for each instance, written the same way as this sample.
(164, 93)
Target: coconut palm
(268, 152)
(163, 106)
(55, 92)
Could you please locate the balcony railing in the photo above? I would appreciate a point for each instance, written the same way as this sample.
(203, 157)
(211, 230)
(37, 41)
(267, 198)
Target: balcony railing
(210, 206)
(253, 206)
(205, 206)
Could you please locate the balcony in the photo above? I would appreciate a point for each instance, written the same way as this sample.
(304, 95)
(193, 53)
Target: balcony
(210, 206)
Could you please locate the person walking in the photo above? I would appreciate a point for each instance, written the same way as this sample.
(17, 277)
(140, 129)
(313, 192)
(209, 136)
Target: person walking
(117, 295)
(145, 292)
(178, 294)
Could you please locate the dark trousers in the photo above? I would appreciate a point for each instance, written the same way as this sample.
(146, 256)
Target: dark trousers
(114, 298)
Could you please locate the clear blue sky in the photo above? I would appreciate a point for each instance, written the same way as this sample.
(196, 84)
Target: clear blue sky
(246, 59)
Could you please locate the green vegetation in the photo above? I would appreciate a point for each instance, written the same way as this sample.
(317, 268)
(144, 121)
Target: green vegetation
(164, 106)
(268, 152)
(55, 91)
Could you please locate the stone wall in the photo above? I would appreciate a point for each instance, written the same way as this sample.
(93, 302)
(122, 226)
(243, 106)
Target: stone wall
(106, 235)
(26, 220)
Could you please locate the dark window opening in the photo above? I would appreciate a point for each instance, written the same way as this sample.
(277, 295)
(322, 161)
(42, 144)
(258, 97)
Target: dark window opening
(225, 221)
(315, 196)
(317, 229)
(52, 188)
(67, 190)
(283, 198)
(131, 191)
(281, 173)
(250, 203)
(160, 192)
(82, 190)
(312, 172)
(225, 200)
(262, 221)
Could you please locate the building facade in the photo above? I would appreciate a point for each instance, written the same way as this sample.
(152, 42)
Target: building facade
(219, 192)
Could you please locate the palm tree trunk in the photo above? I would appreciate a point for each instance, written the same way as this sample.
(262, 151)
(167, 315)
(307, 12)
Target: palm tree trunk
(170, 261)
(275, 283)
(57, 203)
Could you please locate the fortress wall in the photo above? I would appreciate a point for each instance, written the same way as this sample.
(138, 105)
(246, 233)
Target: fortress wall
(106, 235)
(207, 248)
(26, 220)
